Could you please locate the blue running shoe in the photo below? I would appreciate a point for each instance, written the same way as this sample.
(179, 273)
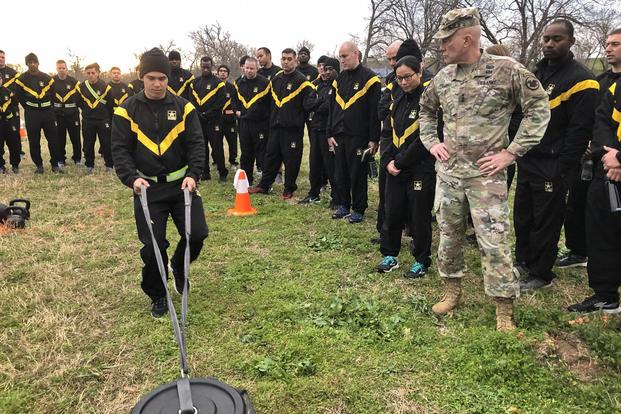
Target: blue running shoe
(387, 264)
(416, 271)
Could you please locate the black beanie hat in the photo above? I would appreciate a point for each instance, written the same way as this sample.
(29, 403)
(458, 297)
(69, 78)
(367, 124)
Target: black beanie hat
(322, 59)
(31, 57)
(154, 60)
(332, 62)
(174, 55)
(409, 48)
(304, 49)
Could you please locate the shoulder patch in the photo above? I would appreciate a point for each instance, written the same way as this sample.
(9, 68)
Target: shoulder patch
(532, 83)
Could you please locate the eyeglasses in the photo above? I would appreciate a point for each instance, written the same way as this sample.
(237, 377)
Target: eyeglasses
(405, 77)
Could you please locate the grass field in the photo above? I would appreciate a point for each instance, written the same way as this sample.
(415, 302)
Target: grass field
(284, 304)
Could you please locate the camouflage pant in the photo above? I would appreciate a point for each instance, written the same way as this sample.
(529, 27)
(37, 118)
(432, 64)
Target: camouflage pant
(486, 199)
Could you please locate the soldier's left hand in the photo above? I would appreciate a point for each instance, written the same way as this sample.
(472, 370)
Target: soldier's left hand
(189, 183)
(493, 164)
(610, 159)
(614, 174)
(373, 147)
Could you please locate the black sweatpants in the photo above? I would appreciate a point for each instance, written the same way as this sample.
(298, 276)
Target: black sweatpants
(9, 135)
(350, 173)
(37, 120)
(230, 133)
(603, 230)
(538, 215)
(212, 132)
(167, 199)
(69, 124)
(284, 145)
(575, 226)
(252, 140)
(381, 205)
(91, 129)
(321, 162)
(408, 201)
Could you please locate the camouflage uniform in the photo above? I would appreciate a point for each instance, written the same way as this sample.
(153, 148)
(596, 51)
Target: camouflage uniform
(477, 101)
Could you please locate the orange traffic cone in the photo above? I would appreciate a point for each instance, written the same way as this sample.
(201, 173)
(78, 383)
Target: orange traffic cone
(22, 130)
(242, 198)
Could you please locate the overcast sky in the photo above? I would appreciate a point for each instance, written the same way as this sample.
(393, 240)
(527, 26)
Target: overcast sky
(113, 31)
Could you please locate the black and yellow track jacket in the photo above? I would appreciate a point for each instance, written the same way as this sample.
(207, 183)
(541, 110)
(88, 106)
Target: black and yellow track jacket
(606, 80)
(269, 73)
(405, 146)
(156, 138)
(95, 101)
(573, 95)
(35, 91)
(65, 96)
(252, 98)
(353, 107)
(6, 102)
(208, 95)
(8, 81)
(119, 92)
(607, 129)
(309, 71)
(292, 98)
(179, 82)
(319, 117)
(228, 111)
(136, 86)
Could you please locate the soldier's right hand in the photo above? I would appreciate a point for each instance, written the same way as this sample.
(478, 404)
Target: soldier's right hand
(139, 182)
(440, 152)
(332, 144)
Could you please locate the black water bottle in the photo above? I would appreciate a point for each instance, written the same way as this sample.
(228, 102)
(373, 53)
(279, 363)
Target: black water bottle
(587, 170)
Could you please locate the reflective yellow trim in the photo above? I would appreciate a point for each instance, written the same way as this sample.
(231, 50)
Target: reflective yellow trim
(390, 86)
(291, 96)
(64, 99)
(98, 98)
(255, 98)
(613, 88)
(170, 177)
(580, 86)
(5, 106)
(33, 93)
(185, 84)
(10, 81)
(400, 140)
(344, 106)
(167, 141)
(207, 97)
(122, 99)
(226, 105)
(427, 83)
(616, 116)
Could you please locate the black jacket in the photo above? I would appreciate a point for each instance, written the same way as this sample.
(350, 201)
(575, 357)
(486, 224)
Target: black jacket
(606, 80)
(179, 82)
(65, 96)
(97, 106)
(208, 95)
(35, 91)
(292, 98)
(319, 116)
(119, 92)
(136, 86)
(9, 75)
(269, 73)
(252, 98)
(146, 137)
(573, 91)
(607, 130)
(228, 111)
(309, 71)
(353, 106)
(6, 102)
(405, 146)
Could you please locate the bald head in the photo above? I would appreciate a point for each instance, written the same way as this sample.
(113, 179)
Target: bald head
(349, 55)
(391, 53)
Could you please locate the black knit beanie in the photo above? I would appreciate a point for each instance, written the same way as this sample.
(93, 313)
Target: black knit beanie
(31, 57)
(154, 60)
(174, 55)
(409, 48)
(322, 59)
(332, 62)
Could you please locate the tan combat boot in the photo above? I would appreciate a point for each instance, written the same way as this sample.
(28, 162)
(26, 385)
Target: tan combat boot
(504, 314)
(451, 297)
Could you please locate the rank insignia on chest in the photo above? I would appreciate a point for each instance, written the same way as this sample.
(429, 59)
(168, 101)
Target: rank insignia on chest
(418, 185)
(208, 87)
(180, 79)
(359, 152)
(289, 86)
(293, 144)
(172, 115)
(255, 89)
(413, 114)
(307, 77)
(68, 87)
(123, 90)
(41, 83)
(548, 187)
(356, 86)
(550, 88)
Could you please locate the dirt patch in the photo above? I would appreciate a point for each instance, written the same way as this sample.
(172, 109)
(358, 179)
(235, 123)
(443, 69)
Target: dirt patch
(568, 349)
(401, 404)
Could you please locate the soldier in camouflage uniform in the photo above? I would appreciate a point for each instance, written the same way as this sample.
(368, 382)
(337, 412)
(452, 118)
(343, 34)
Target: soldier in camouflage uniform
(478, 93)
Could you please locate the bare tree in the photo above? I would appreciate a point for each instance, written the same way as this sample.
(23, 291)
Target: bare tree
(305, 43)
(376, 32)
(76, 64)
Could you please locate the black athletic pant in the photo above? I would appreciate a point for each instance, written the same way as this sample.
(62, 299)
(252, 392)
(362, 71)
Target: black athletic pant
(230, 133)
(575, 226)
(91, 129)
(9, 135)
(408, 201)
(510, 175)
(538, 215)
(350, 173)
(212, 132)
(167, 199)
(37, 120)
(284, 145)
(321, 162)
(381, 205)
(603, 231)
(69, 124)
(252, 140)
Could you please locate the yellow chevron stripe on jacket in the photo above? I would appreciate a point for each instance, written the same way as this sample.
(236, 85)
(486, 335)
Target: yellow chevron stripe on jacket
(182, 88)
(578, 87)
(118, 102)
(33, 93)
(6, 105)
(146, 141)
(64, 99)
(279, 103)
(400, 140)
(255, 98)
(98, 99)
(10, 81)
(207, 97)
(344, 106)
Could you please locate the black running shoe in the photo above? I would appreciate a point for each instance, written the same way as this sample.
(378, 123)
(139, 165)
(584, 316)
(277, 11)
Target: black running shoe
(571, 260)
(159, 307)
(594, 303)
